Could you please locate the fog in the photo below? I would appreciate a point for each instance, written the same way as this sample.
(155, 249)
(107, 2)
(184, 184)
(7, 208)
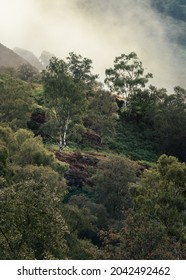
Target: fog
(96, 29)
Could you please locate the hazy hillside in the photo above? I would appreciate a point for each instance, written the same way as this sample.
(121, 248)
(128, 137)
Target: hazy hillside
(93, 159)
(85, 175)
(8, 58)
(155, 29)
(30, 57)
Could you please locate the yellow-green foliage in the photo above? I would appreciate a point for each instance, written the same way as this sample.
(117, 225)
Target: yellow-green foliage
(25, 149)
(15, 101)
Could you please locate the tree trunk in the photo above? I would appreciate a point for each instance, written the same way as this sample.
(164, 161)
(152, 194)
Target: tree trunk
(63, 138)
(60, 140)
(65, 131)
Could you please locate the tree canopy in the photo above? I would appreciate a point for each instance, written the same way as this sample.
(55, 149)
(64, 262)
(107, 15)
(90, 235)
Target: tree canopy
(127, 75)
(84, 177)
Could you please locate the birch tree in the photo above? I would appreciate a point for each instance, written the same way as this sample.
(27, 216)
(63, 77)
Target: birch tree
(127, 75)
(81, 69)
(64, 97)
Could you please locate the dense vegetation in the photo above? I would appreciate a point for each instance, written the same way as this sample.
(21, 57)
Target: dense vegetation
(91, 171)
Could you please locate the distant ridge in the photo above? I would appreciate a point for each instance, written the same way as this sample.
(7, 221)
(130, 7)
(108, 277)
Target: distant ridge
(8, 58)
(30, 57)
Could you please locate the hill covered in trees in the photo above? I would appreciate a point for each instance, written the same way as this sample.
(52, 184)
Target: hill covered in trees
(91, 171)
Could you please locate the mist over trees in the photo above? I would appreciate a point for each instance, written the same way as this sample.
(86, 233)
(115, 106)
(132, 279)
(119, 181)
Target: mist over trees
(91, 171)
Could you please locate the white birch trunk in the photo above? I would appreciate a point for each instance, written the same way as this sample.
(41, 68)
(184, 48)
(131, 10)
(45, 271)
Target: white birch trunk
(63, 137)
(60, 141)
(65, 131)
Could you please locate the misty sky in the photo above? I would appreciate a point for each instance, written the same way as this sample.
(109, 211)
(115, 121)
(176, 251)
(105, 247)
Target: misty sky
(96, 29)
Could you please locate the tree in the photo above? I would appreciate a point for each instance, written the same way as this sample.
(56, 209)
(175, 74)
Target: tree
(160, 196)
(127, 75)
(143, 106)
(82, 229)
(170, 124)
(37, 119)
(80, 69)
(161, 118)
(65, 98)
(32, 225)
(32, 151)
(3, 159)
(146, 238)
(27, 72)
(111, 185)
(102, 115)
(15, 101)
(154, 228)
(6, 134)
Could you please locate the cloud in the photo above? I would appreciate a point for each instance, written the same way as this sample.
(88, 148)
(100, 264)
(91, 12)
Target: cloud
(97, 29)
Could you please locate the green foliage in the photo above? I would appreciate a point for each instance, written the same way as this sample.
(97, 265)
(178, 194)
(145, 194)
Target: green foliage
(80, 69)
(101, 115)
(131, 140)
(30, 150)
(27, 72)
(3, 159)
(143, 106)
(33, 152)
(23, 149)
(22, 135)
(111, 185)
(37, 120)
(15, 101)
(80, 220)
(37, 94)
(161, 195)
(145, 238)
(77, 132)
(170, 124)
(64, 97)
(59, 167)
(98, 213)
(109, 207)
(154, 227)
(153, 123)
(6, 134)
(127, 75)
(31, 224)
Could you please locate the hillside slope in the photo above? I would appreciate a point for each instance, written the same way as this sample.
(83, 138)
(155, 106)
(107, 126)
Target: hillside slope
(30, 57)
(8, 58)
